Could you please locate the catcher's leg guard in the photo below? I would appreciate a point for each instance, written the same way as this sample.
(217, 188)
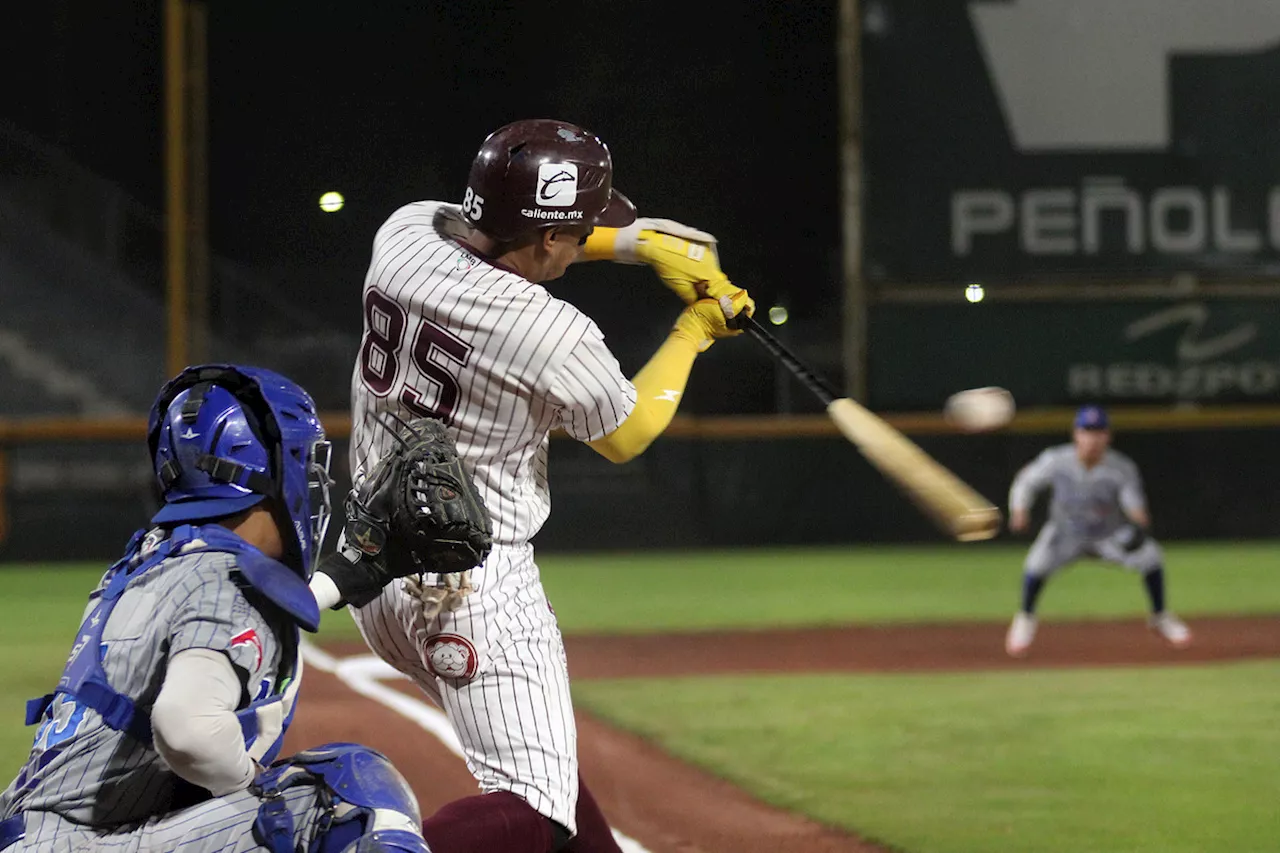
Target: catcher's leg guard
(370, 808)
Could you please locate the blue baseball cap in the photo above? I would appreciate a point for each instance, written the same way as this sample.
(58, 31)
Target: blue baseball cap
(1092, 417)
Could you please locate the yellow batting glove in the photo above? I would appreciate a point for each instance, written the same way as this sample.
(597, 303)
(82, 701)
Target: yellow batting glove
(683, 257)
(708, 320)
(621, 244)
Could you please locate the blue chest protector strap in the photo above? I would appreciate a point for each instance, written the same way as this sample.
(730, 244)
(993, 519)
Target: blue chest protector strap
(84, 680)
(12, 830)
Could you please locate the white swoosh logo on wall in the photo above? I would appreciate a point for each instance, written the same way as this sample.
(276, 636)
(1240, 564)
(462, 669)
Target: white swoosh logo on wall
(1191, 347)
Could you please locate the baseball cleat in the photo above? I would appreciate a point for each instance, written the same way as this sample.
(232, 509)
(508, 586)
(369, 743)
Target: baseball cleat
(1021, 632)
(1174, 631)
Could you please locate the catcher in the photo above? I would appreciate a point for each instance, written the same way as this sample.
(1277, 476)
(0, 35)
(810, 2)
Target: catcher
(178, 690)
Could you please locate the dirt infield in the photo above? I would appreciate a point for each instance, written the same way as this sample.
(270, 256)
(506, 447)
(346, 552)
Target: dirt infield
(671, 807)
(906, 648)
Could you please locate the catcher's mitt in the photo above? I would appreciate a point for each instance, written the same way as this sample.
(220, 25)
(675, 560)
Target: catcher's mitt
(416, 512)
(420, 503)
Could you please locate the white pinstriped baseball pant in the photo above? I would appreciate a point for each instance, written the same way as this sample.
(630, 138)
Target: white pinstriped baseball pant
(1055, 547)
(514, 716)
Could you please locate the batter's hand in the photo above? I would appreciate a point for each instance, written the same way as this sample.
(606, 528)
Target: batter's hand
(708, 320)
(1019, 520)
(683, 257)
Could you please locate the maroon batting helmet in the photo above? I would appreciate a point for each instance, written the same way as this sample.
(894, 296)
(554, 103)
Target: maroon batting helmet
(538, 173)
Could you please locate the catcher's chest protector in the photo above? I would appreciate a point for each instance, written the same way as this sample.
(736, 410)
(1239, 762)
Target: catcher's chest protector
(263, 723)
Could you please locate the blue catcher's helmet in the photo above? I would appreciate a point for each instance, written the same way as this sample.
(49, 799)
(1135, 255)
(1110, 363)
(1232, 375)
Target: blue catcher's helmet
(224, 437)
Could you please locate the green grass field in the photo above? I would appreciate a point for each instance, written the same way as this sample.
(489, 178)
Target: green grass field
(707, 590)
(1170, 760)
(1176, 759)
(772, 588)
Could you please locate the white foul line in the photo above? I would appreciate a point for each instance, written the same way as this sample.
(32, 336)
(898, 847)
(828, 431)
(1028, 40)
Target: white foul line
(364, 674)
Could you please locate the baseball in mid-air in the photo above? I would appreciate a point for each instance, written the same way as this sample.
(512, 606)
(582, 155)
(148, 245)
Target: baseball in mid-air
(979, 409)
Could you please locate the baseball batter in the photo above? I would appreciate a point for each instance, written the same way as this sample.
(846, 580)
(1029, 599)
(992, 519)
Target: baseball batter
(1098, 510)
(457, 325)
(183, 675)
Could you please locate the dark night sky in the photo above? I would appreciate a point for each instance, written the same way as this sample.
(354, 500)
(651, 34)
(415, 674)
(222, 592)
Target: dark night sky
(723, 117)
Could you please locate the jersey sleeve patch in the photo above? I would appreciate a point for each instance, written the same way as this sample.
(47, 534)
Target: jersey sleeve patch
(252, 643)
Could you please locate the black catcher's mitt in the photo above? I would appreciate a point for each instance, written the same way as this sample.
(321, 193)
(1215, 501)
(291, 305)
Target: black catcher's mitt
(419, 500)
(415, 512)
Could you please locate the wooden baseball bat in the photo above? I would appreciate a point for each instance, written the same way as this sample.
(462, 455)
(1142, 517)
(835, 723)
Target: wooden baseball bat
(952, 504)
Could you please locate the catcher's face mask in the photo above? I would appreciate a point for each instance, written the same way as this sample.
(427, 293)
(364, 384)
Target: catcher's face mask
(318, 483)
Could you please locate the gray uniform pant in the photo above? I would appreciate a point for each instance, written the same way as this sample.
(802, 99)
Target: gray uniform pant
(222, 825)
(1055, 547)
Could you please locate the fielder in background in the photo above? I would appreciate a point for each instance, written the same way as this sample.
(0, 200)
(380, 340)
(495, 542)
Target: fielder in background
(183, 675)
(457, 325)
(1098, 510)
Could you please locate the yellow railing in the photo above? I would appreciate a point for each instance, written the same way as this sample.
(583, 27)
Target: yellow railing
(45, 430)
(39, 430)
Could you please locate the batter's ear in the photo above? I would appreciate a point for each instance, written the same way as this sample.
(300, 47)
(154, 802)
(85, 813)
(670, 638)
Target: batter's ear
(552, 236)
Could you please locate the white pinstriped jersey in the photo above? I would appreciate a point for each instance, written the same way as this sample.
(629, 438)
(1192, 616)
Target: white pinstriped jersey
(449, 335)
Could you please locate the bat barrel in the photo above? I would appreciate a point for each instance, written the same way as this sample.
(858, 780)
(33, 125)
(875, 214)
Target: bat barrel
(953, 505)
(978, 525)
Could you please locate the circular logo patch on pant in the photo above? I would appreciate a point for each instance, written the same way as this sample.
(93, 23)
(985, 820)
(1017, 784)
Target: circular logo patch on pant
(452, 656)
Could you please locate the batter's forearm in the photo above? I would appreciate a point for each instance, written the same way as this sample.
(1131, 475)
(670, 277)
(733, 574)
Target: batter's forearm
(600, 245)
(659, 386)
(195, 726)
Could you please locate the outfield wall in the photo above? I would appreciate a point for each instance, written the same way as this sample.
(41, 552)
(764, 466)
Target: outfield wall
(1201, 484)
(712, 484)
